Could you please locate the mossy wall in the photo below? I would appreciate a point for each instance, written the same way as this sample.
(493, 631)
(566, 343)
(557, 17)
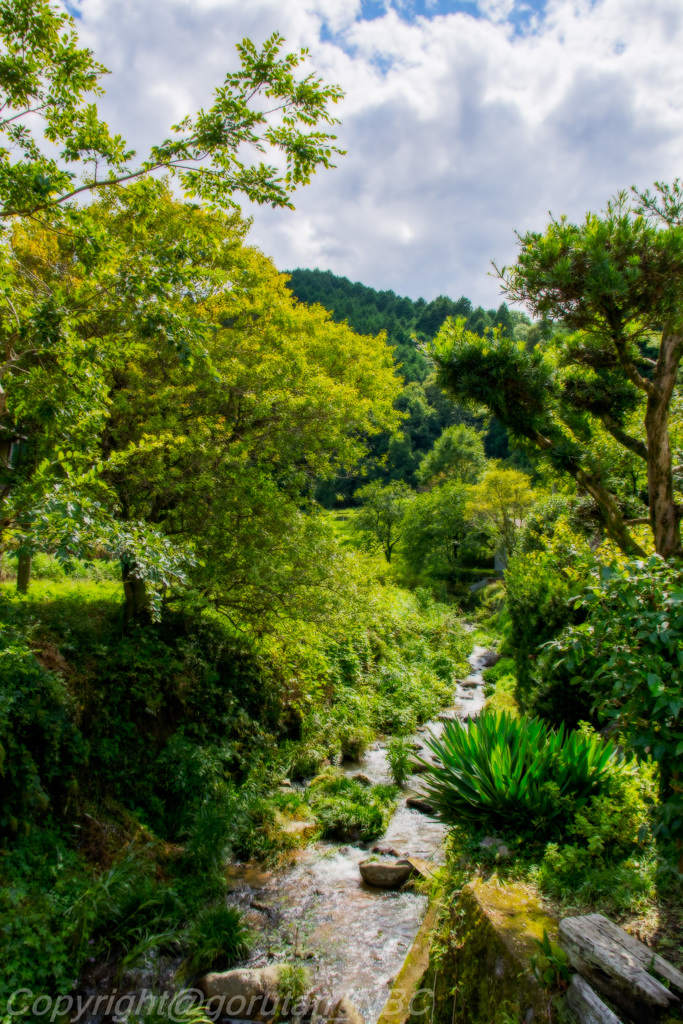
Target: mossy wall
(480, 964)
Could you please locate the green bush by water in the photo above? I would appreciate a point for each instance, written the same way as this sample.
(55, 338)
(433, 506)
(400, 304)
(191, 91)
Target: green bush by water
(347, 809)
(399, 756)
(515, 772)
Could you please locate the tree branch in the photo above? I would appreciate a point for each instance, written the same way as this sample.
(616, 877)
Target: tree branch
(634, 444)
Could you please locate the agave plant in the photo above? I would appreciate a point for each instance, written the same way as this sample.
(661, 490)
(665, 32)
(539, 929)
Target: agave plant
(510, 771)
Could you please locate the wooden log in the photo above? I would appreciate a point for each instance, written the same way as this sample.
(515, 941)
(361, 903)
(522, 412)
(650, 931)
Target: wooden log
(587, 1005)
(617, 965)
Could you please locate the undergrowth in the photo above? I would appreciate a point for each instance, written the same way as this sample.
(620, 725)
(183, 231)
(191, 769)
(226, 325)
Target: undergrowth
(135, 761)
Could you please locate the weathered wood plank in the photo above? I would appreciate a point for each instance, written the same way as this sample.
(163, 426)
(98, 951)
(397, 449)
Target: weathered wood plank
(643, 953)
(587, 1004)
(615, 964)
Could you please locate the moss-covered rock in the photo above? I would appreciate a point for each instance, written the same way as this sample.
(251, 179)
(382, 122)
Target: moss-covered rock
(480, 965)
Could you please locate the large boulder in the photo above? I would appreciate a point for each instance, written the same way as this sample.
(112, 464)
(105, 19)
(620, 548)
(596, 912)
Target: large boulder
(246, 993)
(345, 1012)
(385, 874)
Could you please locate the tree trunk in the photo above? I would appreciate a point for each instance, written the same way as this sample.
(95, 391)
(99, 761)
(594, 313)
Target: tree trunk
(135, 593)
(615, 524)
(664, 518)
(23, 573)
(614, 521)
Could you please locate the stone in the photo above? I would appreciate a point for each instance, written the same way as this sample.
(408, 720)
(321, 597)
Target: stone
(384, 874)
(489, 658)
(618, 965)
(345, 1012)
(397, 1009)
(493, 843)
(418, 804)
(386, 850)
(262, 908)
(363, 779)
(422, 867)
(304, 829)
(587, 1005)
(489, 936)
(246, 993)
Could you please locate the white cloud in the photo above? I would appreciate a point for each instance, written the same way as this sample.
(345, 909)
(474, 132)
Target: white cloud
(459, 129)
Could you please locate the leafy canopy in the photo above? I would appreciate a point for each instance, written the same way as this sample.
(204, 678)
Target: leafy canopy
(46, 81)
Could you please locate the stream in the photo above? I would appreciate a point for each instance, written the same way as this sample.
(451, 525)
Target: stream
(353, 938)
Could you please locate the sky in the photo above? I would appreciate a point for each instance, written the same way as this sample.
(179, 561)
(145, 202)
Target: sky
(464, 121)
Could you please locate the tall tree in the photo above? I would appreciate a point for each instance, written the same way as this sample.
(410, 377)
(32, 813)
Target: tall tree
(457, 454)
(382, 515)
(77, 290)
(617, 280)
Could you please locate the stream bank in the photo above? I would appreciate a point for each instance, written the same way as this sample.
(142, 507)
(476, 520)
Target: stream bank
(352, 938)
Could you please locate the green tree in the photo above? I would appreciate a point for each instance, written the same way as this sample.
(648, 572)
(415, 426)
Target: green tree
(626, 656)
(382, 514)
(221, 454)
(436, 528)
(561, 410)
(44, 72)
(499, 504)
(458, 453)
(616, 280)
(76, 298)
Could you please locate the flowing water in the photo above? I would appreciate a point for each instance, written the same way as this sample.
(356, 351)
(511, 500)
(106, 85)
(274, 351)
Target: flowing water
(352, 937)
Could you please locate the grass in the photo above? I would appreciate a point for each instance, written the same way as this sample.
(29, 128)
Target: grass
(399, 756)
(214, 939)
(348, 810)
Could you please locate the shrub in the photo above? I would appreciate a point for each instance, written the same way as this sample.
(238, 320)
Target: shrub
(540, 585)
(346, 809)
(399, 757)
(627, 658)
(216, 938)
(514, 772)
(502, 698)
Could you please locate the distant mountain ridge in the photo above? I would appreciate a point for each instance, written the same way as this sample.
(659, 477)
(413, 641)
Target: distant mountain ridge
(369, 311)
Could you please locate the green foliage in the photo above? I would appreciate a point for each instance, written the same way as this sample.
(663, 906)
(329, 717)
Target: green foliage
(293, 983)
(607, 859)
(500, 684)
(539, 587)
(399, 756)
(532, 392)
(627, 656)
(550, 964)
(514, 772)
(457, 454)
(499, 503)
(382, 513)
(41, 750)
(503, 667)
(346, 809)
(45, 71)
(215, 938)
(437, 534)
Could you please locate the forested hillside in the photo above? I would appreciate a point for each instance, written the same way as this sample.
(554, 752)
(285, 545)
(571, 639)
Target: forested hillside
(405, 322)
(408, 325)
(257, 528)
